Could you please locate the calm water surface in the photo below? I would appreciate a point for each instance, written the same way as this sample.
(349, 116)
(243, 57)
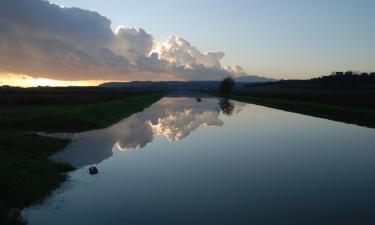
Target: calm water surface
(216, 162)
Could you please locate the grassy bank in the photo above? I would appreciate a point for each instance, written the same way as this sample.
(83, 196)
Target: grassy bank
(359, 116)
(63, 95)
(352, 98)
(27, 175)
(70, 118)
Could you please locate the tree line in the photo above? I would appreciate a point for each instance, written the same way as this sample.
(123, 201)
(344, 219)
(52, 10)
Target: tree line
(348, 79)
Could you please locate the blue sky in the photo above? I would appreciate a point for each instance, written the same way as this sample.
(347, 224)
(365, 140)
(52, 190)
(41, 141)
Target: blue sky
(281, 39)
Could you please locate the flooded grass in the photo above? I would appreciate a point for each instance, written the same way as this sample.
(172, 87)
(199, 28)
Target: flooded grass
(27, 175)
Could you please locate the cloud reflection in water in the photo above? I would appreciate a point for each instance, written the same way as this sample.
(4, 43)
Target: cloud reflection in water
(172, 117)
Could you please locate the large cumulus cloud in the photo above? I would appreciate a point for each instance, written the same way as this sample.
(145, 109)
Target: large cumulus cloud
(41, 39)
(180, 52)
(132, 43)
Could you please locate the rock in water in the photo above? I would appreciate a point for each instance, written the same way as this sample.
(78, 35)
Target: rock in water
(93, 170)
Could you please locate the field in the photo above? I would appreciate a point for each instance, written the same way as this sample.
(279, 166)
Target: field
(63, 95)
(355, 106)
(357, 98)
(69, 118)
(27, 175)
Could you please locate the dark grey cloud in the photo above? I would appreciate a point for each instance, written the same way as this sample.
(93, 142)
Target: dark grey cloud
(41, 19)
(41, 39)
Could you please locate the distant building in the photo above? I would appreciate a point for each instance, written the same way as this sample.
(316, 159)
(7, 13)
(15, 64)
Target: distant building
(339, 73)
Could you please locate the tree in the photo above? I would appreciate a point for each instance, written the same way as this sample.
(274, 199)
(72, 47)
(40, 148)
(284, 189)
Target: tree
(226, 85)
(226, 106)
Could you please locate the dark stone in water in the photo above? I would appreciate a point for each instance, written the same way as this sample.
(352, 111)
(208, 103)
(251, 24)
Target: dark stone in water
(93, 170)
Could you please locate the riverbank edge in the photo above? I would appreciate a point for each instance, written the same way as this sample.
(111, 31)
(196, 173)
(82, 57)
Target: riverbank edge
(357, 116)
(27, 173)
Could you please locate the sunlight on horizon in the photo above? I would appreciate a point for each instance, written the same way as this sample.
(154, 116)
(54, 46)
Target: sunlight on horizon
(16, 80)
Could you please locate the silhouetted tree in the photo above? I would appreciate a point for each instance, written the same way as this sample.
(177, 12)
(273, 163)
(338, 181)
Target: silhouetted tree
(226, 85)
(226, 106)
(347, 79)
(349, 73)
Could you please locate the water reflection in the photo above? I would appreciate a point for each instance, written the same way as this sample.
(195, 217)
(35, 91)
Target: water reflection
(226, 106)
(263, 167)
(172, 117)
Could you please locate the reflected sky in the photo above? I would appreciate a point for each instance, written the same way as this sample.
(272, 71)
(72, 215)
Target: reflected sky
(174, 118)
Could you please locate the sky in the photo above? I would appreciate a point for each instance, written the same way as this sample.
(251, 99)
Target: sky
(290, 39)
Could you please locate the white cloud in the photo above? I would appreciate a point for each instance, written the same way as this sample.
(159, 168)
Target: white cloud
(235, 70)
(132, 43)
(180, 52)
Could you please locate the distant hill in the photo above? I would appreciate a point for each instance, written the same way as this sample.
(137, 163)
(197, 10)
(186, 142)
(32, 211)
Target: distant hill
(253, 79)
(182, 85)
(164, 85)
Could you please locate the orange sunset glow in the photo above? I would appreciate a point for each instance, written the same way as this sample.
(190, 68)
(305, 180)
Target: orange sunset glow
(28, 81)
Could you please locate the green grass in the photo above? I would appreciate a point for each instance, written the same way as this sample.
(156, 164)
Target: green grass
(27, 175)
(362, 117)
(70, 118)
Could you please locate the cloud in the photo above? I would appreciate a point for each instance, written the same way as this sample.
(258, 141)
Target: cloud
(235, 70)
(41, 39)
(132, 43)
(180, 52)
